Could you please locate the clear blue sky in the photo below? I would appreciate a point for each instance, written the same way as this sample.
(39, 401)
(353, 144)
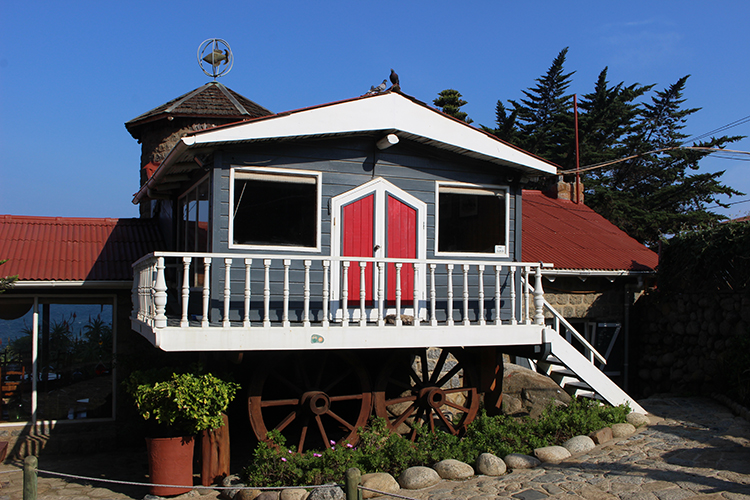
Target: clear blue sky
(71, 73)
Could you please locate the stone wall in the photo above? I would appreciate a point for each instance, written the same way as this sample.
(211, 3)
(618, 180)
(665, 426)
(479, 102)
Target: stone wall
(596, 299)
(680, 342)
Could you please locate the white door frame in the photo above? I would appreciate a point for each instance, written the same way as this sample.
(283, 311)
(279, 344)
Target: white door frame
(381, 188)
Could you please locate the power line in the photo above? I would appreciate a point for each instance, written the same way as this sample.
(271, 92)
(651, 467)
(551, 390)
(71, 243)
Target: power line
(733, 124)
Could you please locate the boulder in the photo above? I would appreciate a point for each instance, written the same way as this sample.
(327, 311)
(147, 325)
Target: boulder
(551, 454)
(579, 444)
(330, 492)
(293, 494)
(602, 435)
(490, 465)
(415, 478)
(453, 469)
(622, 430)
(268, 495)
(247, 495)
(532, 390)
(380, 481)
(229, 481)
(637, 419)
(520, 461)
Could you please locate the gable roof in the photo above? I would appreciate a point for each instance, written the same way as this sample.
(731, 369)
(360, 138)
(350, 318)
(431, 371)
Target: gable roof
(385, 113)
(74, 249)
(574, 237)
(210, 100)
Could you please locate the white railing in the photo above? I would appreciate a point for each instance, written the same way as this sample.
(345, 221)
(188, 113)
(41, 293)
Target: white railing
(487, 291)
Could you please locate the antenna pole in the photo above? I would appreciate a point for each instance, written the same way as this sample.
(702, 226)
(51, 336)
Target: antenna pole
(578, 158)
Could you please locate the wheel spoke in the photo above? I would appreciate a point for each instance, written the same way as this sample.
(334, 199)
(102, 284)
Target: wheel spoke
(345, 374)
(289, 384)
(322, 430)
(286, 421)
(439, 365)
(279, 402)
(321, 370)
(303, 435)
(415, 378)
(401, 418)
(403, 399)
(340, 420)
(347, 397)
(431, 420)
(448, 376)
(425, 366)
(450, 403)
(447, 423)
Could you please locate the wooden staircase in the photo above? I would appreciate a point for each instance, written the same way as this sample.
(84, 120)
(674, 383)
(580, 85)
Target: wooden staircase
(578, 375)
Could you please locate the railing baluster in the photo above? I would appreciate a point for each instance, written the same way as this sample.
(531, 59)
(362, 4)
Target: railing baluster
(285, 313)
(498, 299)
(306, 309)
(206, 290)
(398, 293)
(227, 291)
(345, 294)
(362, 294)
(326, 293)
(246, 316)
(513, 320)
(480, 268)
(184, 323)
(160, 295)
(466, 294)
(539, 301)
(416, 294)
(526, 310)
(433, 296)
(381, 293)
(267, 292)
(449, 321)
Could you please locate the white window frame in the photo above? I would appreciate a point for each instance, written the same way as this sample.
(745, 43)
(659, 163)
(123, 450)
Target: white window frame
(500, 250)
(182, 238)
(281, 173)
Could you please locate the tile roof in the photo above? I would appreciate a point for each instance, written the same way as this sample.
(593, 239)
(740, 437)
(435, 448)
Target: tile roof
(212, 100)
(74, 249)
(573, 236)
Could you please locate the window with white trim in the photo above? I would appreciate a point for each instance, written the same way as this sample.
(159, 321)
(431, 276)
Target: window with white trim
(276, 209)
(472, 219)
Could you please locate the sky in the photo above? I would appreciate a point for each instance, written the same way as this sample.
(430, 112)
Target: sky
(72, 73)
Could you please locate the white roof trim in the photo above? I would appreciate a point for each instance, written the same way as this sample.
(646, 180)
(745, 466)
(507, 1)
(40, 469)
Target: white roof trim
(390, 111)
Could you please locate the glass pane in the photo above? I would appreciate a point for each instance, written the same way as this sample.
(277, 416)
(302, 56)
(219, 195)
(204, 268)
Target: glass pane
(16, 323)
(471, 223)
(75, 361)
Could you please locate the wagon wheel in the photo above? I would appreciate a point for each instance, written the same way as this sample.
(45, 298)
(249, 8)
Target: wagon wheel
(435, 387)
(313, 398)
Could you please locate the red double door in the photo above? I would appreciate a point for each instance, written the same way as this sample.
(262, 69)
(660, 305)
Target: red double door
(390, 231)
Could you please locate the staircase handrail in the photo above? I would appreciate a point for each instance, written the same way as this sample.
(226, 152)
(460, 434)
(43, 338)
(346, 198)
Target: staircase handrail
(560, 319)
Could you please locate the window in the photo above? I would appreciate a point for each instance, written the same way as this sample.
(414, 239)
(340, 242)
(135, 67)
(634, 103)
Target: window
(193, 236)
(74, 352)
(472, 219)
(276, 209)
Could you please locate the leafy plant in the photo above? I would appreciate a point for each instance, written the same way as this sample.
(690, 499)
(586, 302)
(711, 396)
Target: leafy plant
(186, 403)
(379, 450)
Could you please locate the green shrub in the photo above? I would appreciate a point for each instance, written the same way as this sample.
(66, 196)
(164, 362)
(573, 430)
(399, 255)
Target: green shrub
(379, 450)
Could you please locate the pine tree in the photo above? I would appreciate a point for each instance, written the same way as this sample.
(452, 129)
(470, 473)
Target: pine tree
(450, 103)
(654, 193)
(6, 282)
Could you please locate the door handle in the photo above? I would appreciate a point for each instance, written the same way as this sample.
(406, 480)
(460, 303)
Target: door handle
(376, 248)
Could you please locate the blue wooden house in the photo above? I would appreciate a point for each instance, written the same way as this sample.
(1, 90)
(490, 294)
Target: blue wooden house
(359, 256)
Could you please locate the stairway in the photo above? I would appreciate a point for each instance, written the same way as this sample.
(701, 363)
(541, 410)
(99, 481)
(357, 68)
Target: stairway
(578, 376)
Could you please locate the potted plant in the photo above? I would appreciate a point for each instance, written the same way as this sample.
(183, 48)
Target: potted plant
(180, 405)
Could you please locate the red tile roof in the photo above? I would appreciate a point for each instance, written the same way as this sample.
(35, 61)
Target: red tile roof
(573, 236)
(74, 249)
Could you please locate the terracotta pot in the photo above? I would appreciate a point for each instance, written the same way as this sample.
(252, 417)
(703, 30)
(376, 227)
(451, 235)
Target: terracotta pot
(170, 461)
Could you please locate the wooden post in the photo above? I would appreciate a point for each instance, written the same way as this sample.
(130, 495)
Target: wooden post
(215, 454)
(351, 483)
(30, 464)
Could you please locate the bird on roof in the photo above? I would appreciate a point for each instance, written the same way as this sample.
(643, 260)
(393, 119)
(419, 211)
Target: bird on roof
(394, 80)
(379, 88)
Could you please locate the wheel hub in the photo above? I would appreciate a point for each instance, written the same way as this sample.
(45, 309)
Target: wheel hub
(316, 402)
(433, 397)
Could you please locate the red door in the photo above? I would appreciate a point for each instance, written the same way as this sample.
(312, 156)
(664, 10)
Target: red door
(398, 239)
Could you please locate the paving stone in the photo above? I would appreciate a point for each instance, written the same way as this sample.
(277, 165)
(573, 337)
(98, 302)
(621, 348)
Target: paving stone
(530, 495)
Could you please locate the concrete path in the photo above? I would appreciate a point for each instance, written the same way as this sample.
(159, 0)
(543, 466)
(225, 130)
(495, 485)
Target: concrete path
(696, 448)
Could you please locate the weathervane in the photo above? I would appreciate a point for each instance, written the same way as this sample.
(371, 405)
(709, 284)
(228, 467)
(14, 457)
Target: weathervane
(215, 57)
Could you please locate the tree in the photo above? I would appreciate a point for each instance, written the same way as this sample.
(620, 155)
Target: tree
(7, 281)
(654, 193)
(450, 103)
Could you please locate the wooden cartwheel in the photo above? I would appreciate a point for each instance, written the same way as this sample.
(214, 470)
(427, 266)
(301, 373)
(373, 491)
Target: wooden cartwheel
(315, 399)
(434, 387)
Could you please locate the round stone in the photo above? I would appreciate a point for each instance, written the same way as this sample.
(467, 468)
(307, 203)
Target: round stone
(490, 465)
(381, 481)
(453, 469)
(551, 454)
(579, 444)
(637, 419)
(415, 478)
(293, 494)
(520, 461)
(622, 430)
